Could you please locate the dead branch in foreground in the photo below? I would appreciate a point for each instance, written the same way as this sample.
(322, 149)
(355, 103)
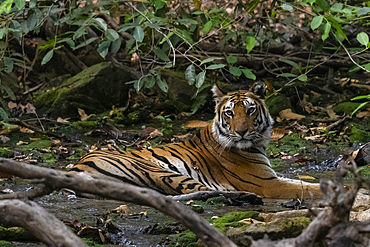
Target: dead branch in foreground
(39, 222)
(80, 182)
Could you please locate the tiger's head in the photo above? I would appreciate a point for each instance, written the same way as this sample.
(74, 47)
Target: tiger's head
(242, 119)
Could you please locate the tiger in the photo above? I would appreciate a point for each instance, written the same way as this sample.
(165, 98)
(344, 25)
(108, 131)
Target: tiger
(226, 155)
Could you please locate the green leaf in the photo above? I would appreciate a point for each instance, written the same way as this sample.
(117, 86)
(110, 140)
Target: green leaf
(359, 107)
(231, 59)
(363, 38)
(111, 34)
(302, 77)
(323, 4)
(363, 11)
(138, 34)
(47, 57)
(362, 97)
(338, 36)
(4, 116)
(160, 54)
(286, 75)
(20, 4)
(162, 84)
(190, 74)
(316, 21)
(149, 81)
(116, 45)
(126, 27)
(159, 4)
(250, 43)
(185, 35)
(311, 2)
(337, 7)
(103, 48)
(187, 20)
(100, 23)
(31, 21)
(287, 7)
(131, 82)
(366, 66)
(138, 84)
(2, 31)
(8, 64)
(207, 27)
(211, 59)
(9, 92)
(327, 28)
(200, 79)
(249, 74)
(216, 66)
(6, 6)
(81, 31)
(235, 71)
(292, 63)
(152, 25)
(85, 43)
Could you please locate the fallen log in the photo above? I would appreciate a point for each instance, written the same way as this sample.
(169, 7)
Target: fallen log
(80, 182)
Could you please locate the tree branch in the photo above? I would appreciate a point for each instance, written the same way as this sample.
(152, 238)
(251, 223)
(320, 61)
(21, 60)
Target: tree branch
(42, 224)
(81, 182)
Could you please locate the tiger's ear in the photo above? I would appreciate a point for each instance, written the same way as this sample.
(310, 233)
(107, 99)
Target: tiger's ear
(217, 94)
(259, 89)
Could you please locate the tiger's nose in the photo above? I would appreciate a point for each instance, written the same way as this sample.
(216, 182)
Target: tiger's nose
(241, 132)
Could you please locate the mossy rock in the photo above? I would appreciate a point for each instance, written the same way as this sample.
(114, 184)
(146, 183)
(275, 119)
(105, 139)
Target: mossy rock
(6, 244)
(277, 229)
(346, 107)
(16, 234)
(359, 134)
(186, 238)
(6, 153)
(94, 90)
(277, 103)
(232, 220)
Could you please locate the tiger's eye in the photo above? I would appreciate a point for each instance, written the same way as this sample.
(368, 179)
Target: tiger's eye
(229, 113)
(251, 110)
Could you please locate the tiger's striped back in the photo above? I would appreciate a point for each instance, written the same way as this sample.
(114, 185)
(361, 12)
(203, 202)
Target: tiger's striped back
(227, 155)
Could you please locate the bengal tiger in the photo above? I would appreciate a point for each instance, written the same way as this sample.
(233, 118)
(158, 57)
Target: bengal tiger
(227, 155)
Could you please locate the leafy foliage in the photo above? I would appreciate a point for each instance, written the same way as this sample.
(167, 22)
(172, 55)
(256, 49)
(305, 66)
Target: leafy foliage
(159, 31)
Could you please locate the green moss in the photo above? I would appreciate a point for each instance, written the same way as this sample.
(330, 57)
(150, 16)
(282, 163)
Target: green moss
(359, 135)
(186, 238)
(48, 157)
(80, 91)
(346, 107)
(86, 125)
(294, 227)
(277, 103)
(90, 242)
(197, 208)
(38, 144)
(16, 234)
(232, 220)
(6, 244)
(218, 201)
(6, 153)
